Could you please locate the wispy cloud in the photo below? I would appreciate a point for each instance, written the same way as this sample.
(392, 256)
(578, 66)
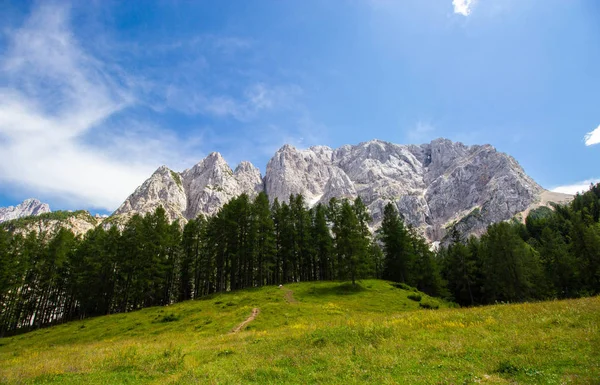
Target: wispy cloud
(592, 137)
(56, 98)
(463, 7)
(422, 131)
(80, 129)
(577, 187)
(257, 98)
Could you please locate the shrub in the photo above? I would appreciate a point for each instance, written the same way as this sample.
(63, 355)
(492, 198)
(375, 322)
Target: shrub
(506, 367)
(171, 317)
(403, 286)
(415, 297)
(429, 305)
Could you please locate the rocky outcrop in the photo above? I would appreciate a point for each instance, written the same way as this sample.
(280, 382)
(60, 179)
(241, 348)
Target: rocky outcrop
(48, 224)
(28, 208)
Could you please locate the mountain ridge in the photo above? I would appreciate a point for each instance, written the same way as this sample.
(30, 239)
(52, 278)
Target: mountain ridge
(433, 185)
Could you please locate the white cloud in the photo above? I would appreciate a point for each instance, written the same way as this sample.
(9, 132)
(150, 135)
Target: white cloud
(576, 187)
(463, 7)
(592, 137)
(70, 126)
(55, 102)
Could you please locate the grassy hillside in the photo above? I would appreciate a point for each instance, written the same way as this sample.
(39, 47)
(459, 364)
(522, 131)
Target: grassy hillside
(317, 333)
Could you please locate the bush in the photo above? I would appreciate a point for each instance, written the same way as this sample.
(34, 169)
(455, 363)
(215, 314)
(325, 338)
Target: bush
(415, 297)
(171, 317)
(506, 367)
(429, 305)
(403, 286)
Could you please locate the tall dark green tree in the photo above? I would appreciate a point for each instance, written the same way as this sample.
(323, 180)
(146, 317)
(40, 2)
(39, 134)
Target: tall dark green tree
(426, 269)
(396, 246)
(511, 265)
(264, 249)
(351, 242)
(460, 271)
(323, 243)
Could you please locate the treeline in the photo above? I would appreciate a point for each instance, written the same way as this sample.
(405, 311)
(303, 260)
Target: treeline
(555, 254)
(250, 243)
(46, 280)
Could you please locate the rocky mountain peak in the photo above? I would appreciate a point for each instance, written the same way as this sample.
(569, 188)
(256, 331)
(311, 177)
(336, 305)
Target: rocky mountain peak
(245, 166)
(164, 188)
(27, 208)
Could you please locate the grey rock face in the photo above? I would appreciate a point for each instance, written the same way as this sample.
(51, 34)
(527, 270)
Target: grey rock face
(434, 185)
(211, 183)
(27, 208)
(164, 187)
(203, 189)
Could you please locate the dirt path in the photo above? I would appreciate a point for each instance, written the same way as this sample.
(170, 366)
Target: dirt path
(289, 295)
(241, 326)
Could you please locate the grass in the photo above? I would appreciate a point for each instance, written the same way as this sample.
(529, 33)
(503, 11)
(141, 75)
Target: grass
(332, 333)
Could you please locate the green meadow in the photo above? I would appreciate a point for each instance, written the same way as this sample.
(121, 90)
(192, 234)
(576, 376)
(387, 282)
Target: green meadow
(316, 333)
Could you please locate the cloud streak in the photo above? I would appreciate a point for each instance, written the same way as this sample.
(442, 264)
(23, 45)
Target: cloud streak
(257, 98)
(56, 99)
(592, 137)
(422, 132)
(577, 187)
(78, 129)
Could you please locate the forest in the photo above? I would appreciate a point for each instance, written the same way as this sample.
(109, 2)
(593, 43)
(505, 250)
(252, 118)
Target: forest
(53, 278)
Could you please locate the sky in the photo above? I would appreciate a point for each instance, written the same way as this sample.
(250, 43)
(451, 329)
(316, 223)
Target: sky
(95, 95)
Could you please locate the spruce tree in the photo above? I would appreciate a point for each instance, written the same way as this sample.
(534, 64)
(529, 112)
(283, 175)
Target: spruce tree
(396, 246)
(264, 238)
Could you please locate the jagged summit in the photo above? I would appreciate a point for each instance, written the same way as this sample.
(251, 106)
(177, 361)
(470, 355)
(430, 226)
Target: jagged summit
(27, 208)
(202, 189)
(434, 185)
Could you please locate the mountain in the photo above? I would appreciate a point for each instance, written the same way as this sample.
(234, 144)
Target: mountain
(28, 208)
(434, 186)
(203, 189)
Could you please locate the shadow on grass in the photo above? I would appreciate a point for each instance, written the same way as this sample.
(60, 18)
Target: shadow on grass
(403, 286)
(345, 288)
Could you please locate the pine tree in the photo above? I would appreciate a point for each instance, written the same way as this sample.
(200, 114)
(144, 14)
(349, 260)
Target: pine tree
(323, 243)
(511, 266)
(396, 246)
(265, 239)
(351, 243)
(459, 269)
(426, 270)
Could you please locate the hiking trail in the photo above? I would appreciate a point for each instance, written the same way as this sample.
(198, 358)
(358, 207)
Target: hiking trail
(289, 295)
(255, 312)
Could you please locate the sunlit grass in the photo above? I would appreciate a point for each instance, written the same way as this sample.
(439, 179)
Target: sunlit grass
(334, 333)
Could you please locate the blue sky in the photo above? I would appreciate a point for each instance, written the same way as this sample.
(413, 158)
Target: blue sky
(94, 96)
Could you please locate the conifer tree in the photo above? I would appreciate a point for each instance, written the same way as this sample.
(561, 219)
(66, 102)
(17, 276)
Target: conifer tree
(396, 246)
(264, 238)
(323, 243)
